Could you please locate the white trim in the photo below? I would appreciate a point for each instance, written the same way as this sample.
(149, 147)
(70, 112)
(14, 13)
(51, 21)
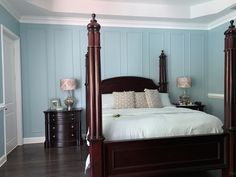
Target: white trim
(115, 23)
(222, 20)
(10, 9)
(3, 160)
(33, 140)
(17, 59)
(216, 96)
(130, 23)
(3, 85)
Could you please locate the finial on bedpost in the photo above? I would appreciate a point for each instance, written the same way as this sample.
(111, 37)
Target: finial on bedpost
(93, 25)
(230, 99)
(231, 28)
(232, 23)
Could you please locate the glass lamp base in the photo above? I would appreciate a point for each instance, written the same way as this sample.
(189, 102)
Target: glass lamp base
(69, 101)
(184, 100)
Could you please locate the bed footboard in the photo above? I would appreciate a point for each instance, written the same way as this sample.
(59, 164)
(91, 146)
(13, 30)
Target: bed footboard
(164, 156)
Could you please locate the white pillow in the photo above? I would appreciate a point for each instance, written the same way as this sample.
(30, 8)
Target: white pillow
(140, 100)
(123, 100)
(107, 100)
(153, 98)
(165, 100)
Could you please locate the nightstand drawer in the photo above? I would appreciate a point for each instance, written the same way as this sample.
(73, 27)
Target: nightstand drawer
(69, 135)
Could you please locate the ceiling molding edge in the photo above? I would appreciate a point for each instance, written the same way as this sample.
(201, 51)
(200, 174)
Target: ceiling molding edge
(222, 20)
(114, 23)
(10, 9)
(117, 22)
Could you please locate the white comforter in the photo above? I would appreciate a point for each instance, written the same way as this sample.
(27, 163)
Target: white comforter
(157, 122)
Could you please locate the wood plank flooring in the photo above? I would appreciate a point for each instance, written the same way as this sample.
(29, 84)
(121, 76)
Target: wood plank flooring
(36, 161)
(33, 160)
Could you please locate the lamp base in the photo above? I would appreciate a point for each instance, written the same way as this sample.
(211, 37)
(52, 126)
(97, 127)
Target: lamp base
(69, 101)
(184, 100)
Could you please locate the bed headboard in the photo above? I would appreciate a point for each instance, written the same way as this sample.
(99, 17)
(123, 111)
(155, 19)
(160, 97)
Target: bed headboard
(127, 83)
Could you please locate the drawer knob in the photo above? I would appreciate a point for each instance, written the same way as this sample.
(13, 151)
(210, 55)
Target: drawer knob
(72, 126)
(54, 136)
(53, 120)
(72, 118)
(72, 135)
(53, 128)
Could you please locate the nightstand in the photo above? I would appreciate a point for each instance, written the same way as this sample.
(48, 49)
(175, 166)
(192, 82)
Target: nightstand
(194, 107)
(63, 128)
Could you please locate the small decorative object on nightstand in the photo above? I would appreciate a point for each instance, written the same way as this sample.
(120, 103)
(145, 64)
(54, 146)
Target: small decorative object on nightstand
(184, 83)
(194, 106)
(63, 128)
(68, 85)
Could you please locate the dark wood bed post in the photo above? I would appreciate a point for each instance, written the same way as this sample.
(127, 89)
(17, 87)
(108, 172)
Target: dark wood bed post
(95, 112)
(230, 100)
(87, 91)
(163, 78)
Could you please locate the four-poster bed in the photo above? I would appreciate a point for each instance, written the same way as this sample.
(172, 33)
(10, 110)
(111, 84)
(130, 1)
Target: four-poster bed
(155, 156)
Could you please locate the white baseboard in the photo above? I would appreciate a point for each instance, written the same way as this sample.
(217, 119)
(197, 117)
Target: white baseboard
(40, 139)
(3, 159)
(33, 140)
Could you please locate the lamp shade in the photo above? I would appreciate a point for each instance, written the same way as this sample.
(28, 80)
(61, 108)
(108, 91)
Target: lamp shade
(68, 84)
(184, 82)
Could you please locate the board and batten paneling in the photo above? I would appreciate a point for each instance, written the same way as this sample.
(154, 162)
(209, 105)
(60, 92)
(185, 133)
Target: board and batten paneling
(49, 53)
(60, 53)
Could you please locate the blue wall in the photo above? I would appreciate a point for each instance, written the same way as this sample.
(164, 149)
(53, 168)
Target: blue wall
(11, 23)
(53, 52)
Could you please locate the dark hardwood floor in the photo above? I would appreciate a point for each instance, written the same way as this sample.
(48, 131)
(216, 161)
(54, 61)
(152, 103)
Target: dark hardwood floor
(33, 160)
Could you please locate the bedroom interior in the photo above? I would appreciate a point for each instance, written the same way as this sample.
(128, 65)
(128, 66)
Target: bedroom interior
(51, 51)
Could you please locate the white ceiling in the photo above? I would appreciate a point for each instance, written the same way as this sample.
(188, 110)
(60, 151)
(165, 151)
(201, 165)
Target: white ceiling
(194, 14)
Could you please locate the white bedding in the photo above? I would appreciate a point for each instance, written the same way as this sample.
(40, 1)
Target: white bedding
(157, 122)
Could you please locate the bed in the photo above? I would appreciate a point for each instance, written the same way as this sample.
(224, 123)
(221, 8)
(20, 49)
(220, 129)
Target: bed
(146, 157)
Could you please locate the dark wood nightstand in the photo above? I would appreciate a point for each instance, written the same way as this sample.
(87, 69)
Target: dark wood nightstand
(63, 128)
(193, 106)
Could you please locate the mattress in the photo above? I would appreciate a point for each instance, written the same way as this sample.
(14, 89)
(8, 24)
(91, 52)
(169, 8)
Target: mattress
(124, 124)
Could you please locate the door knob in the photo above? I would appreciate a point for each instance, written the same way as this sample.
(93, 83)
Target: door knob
(5, 109)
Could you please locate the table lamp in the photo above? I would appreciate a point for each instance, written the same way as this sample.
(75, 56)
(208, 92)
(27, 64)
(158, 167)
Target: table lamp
(68, 85)
(184, 83)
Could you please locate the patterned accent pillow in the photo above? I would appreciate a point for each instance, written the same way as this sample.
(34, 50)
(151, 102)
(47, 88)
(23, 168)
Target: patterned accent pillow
(123, 100)
(153, 98)
(140, 100)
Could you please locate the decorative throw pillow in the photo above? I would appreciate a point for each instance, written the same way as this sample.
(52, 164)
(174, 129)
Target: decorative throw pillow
(165, 100)
(123, 100)
(153, 98)
(140, 100)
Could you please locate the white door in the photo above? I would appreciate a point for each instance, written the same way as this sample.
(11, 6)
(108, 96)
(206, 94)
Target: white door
(10, 93)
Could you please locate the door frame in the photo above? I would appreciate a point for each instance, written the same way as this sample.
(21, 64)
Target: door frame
(6, 32)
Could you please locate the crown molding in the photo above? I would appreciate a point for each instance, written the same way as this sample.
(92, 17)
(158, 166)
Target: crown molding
(5, 4)
(114, 23)
(222, 20)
